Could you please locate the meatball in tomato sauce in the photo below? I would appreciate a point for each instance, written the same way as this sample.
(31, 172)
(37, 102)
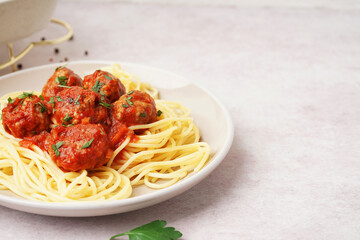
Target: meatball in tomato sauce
(63, 77)
(134, 108)
(79, 147)
(77, 105)
(106, 84)
(26, 116)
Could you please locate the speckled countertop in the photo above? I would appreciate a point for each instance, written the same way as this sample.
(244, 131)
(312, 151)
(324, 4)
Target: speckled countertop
(290, 78)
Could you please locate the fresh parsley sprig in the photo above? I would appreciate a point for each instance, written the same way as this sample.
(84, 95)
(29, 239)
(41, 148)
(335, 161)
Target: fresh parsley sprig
(155, 230)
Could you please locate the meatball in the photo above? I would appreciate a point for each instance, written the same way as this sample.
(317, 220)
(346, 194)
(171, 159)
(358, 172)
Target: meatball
(134, 108)
(79, 147)
(106, 84)
(61, 78)
(26, 116)
(77, 105)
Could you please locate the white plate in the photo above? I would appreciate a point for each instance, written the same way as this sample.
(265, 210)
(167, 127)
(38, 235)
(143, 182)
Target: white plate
(210, 115)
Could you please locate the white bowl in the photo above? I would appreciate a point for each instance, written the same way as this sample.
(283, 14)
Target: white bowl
(22, 18)
(210, 115)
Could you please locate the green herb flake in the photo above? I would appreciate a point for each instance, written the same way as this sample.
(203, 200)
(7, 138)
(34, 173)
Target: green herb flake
(43, 108)
(131, 92)
(77, 100)
(60, 67)
(59, 98)
(104, 104)
(97, 86)
(159, 112)
(128, 101)
(41, 97)
(107, 77)
(143, 114)
(154, 230)
(125, 105)
(102, 95)
(67, 118)
(86, 145)
(61, 80)
(102, 132)
(25, 95)
(52, 101)
(56, 147)
(10, 100)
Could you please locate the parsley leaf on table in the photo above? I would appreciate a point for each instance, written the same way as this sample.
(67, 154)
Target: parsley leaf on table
(155, 230)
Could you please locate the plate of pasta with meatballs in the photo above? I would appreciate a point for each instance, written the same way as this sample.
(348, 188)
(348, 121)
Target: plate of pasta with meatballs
(93, 138)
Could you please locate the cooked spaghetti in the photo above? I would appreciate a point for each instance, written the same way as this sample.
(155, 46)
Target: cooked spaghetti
(157, 154)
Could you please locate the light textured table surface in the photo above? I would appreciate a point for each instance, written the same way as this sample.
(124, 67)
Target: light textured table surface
(290, 77)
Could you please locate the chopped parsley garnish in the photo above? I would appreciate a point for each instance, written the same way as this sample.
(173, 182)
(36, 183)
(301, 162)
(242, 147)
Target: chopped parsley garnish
(97, 86)
(52, 101)
(159, 112)
(143, 114)
(25, 95)
(56, 147)
(67, 125)
(67, 118)
(125, 105)
(43, 108)
(41, 97)
(128, 101)
(10, 100)
(107, 77)
(129, 93)
(104, 104)
(102, 95)
(86, 145)
(60, 67)
(102, 132)
(59, 98)
(61, 80)
(77, 100)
